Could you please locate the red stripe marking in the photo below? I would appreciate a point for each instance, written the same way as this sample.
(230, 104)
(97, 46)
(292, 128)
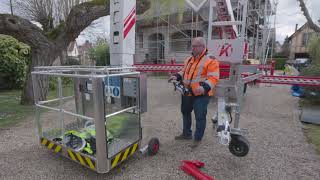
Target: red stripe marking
(129, 13)
(133, 11)
(129, 27)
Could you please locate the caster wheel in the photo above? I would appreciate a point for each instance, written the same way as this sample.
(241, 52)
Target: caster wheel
(153, 146)
(239, 146)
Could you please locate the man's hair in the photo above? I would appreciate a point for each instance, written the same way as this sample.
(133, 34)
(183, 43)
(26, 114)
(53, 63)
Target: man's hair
(201, 40)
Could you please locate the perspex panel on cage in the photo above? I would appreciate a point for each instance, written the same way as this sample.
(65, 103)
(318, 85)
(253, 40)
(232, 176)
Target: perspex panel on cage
(122, 113)
(123, 130)
(59, 119)
(81, 114)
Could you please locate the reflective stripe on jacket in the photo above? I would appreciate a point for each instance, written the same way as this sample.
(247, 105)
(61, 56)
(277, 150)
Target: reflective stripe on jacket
(201, 69)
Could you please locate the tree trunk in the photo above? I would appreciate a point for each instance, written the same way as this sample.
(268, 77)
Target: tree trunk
(63, 57)
(42, 56)
(27, 92)
(45, 50)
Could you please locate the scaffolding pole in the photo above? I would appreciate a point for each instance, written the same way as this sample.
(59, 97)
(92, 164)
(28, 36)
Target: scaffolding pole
(274, 26)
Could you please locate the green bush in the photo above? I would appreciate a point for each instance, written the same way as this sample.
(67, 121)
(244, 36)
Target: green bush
(53, 82)
(278, 55)
(100, 53)
(14, 58)
(314, 50)
(280, 62)
(313, 70)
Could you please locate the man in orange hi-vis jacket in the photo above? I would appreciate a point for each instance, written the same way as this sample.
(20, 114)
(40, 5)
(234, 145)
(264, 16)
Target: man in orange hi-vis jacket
(199, 75)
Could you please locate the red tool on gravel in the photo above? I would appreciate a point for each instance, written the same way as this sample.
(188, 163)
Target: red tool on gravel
(191, 168)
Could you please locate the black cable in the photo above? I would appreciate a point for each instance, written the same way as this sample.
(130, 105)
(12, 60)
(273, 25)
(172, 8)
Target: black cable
(230, 117)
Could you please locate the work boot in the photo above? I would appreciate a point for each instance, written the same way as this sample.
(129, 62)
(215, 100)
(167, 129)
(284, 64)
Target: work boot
(195, 143)
(183, 137)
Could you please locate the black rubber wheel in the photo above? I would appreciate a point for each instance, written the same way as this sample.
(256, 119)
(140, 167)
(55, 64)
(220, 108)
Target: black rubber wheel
(74, 142)
(239, 146)
(153, 146)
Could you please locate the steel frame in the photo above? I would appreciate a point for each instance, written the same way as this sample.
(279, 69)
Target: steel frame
(102, 164)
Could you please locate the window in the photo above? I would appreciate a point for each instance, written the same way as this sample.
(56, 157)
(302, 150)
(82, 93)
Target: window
(305, 39)
(140, 40)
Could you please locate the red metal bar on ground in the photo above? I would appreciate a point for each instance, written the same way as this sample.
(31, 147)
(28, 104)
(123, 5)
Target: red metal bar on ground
(191, 168)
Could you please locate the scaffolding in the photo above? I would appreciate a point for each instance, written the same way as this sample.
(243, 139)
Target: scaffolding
(172, 39)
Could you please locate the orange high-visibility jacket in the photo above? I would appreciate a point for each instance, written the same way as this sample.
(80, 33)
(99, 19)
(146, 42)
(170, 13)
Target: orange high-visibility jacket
(203, 70)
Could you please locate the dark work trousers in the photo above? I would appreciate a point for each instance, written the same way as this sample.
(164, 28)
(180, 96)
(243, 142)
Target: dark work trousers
(199, 104)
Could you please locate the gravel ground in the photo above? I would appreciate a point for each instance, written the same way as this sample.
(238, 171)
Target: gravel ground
(278, 147)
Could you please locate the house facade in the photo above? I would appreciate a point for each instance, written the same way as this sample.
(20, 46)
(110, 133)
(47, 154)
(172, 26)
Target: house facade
(299, 42)
(84, 54)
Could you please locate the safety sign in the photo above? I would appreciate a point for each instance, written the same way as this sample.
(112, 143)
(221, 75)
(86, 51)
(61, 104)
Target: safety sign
(113, 89)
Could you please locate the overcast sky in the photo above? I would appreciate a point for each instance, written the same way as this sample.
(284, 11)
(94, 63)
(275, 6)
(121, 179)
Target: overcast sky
(288, 16)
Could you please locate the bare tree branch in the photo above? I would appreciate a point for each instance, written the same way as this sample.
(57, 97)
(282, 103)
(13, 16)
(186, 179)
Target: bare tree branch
(37, 10)
(307, 15)
(47, 12)
(82, 16)
(11, 7)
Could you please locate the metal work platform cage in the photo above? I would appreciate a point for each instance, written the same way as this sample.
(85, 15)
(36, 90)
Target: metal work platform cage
(91, 115)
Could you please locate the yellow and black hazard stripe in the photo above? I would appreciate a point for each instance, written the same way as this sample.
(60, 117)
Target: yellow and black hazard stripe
(83, 160)
(51, 145)
(123, 155)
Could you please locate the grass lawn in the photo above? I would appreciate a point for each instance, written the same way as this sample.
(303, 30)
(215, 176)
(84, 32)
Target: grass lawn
(11, 112)
(67, 90)
(313, 134)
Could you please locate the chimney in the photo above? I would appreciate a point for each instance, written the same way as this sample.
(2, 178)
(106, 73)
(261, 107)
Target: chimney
(296, 28)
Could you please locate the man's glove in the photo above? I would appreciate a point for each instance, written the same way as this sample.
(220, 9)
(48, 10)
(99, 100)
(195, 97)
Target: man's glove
(176, 77)
(205, 86)
(172, 78)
